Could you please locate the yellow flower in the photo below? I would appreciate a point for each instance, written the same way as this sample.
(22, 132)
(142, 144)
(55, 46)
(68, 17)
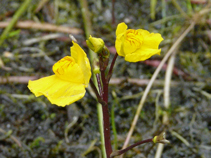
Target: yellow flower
(136, 45)
(72, 75)
(95, 44)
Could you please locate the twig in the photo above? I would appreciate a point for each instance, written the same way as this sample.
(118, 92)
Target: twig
(141, 103)
(42, 26)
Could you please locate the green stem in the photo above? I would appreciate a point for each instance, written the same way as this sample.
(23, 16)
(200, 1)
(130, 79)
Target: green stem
(100, 123)
(15, 18)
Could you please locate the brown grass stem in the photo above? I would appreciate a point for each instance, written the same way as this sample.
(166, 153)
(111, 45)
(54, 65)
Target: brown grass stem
(42, 26)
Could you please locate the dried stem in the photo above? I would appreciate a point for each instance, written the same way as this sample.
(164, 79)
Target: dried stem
(41, 26)
(166, 96)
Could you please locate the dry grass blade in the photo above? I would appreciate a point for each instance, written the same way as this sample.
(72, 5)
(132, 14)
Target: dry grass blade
(166, 98)
(113, 81)
(42, 38)
(159, 150)
(42, 26)
(17, 79)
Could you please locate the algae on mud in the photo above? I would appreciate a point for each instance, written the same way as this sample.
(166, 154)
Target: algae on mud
(40, 127)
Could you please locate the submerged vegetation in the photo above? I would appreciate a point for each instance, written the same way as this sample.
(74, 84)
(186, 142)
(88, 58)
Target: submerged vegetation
(170, 92)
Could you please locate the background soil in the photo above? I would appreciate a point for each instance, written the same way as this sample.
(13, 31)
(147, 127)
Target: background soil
(32, 127)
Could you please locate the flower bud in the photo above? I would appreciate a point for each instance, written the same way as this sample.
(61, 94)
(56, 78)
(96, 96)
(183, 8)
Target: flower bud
(161, 139)
(95, 44)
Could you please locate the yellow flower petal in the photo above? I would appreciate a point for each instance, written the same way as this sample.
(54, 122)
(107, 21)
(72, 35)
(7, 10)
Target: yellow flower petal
(81, 59)
(151, 40)
(141, 55)
(57, 91)
(72, 75)
(67, 69)
(121, 28)
(144, 32)
(118, 46)
(136, 45)
(133, 41)
(127, 45)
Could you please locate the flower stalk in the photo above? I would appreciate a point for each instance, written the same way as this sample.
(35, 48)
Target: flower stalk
(157, 139)
(120, 152)
(106, 123)
(111, 67)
